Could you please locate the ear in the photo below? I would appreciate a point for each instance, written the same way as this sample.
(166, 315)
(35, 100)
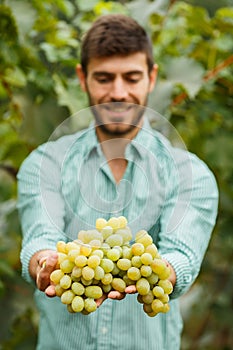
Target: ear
(152, 77)
(81, 77)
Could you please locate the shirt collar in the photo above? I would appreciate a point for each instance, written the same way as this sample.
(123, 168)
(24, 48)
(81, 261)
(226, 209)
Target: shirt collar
(141, 143)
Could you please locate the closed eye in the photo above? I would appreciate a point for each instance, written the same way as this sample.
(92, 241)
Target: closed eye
(133, 77)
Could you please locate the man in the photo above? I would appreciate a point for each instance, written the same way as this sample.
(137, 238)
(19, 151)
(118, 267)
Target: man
(118, 166)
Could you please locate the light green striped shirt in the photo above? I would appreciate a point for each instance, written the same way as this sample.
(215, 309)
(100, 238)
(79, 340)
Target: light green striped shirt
(65, 185)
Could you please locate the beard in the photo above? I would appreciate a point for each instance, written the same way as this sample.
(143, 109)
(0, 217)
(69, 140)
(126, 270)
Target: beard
(117, 118)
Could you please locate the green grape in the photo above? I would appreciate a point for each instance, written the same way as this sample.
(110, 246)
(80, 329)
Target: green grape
(77, 304)
(72, 254)
(139, 299)
(146, 258)
(148, 298)
(88, 273)
(85, 312)
(61, 257)
(76, 272)
(67, 297)
(113, 254)
(95, 281)
(100, 224)
(85, 250)
(124, 264)
(152, 249)
(105, 248)
(107, 265)
(119, 248)
(157, 305)
(165, 274)
(88, 236)
(61, 247)
(118, 284)
(81, 236)
(81, 261)
(114, 223)
(93, 261)
(142, 286)
(59, 290)
(90, 305)
(78, 288)
(136, 261)
(114, 240)
(153, 278)
(98, 252)
(144, 238)
(71, 246)
(94, 292)
(69, 308)
(106, 288)
(152, 314)
(166, 285)
(122, 273)
(115, 270)
(138, 249)
(95, 244)
(107, 279)
(86, 282)
(125, 233)
(166, 308)
(158, 266)
(56, 275)
(65, 282)
(106, 232)
(66, 266)
(147, 308)
(164, 298)
(133, 273)
(128, 281)
(99, 273)
(158, 291)
(122, 221)
(126, 253)
(146, 271)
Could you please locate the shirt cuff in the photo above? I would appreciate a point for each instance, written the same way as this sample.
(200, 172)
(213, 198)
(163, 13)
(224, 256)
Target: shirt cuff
(184, 275)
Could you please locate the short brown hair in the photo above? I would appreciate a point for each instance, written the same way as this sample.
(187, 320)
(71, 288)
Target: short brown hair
(115, 34)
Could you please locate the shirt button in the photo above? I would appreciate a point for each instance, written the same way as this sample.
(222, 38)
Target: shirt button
(104, 330)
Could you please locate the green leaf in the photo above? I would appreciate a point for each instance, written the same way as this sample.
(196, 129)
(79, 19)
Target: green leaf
(187, 72)
(8, 27)
(86, 5)
(15, 77)
(141, 10)
(70, 96)
(24, 14)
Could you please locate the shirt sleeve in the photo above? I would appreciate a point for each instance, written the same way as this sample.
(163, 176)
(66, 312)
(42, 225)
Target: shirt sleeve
(40, 204)
(188, 218)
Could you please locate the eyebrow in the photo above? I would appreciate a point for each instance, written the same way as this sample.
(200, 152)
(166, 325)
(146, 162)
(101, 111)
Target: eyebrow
(133, 72)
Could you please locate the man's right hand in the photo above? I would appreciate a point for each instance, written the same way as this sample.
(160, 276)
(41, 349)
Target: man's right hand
(41, 265)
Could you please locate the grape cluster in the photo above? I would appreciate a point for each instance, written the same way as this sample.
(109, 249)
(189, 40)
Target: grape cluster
(102, 260)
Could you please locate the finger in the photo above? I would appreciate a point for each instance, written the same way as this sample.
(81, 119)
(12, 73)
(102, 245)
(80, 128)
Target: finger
(130, 289)
(101, 300)
(116, 295)
(50, 291)
(47, 266)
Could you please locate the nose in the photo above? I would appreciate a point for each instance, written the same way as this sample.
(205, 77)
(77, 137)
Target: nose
(118, 90)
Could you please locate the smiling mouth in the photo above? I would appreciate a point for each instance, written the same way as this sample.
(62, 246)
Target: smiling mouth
(118, 108)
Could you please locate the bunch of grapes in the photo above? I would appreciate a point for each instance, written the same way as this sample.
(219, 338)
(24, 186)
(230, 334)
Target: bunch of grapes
(102, 260)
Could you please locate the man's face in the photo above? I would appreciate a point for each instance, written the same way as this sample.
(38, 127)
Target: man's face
(118, 87)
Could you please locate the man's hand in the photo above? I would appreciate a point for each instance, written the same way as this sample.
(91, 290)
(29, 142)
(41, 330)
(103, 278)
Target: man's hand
(41, 265)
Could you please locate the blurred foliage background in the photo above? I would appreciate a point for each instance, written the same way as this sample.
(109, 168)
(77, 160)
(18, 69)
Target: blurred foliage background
(193, 45)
